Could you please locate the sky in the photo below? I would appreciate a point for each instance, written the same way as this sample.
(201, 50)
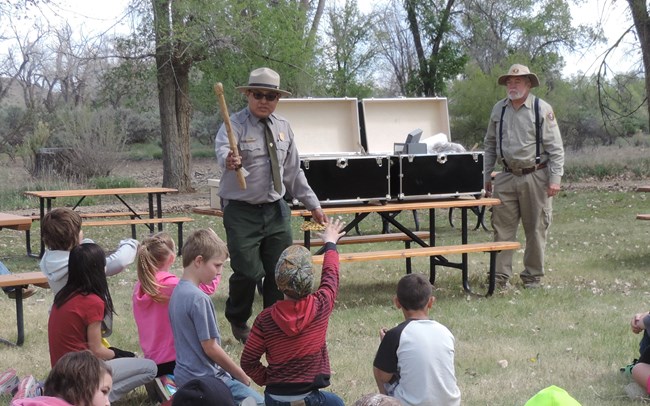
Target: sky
(100, 16)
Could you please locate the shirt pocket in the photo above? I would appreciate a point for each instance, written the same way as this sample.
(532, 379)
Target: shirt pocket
(252, 149)
(283, 150)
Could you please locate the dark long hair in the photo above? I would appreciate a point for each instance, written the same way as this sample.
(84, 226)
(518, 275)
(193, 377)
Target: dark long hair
(86, 275)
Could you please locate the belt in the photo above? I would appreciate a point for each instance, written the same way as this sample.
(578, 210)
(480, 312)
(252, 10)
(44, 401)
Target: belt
(525, 171)
(258, 205)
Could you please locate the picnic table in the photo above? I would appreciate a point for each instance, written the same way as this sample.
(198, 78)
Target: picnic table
(18, 281)
(21, 223)
(155, 212)
(425, 241)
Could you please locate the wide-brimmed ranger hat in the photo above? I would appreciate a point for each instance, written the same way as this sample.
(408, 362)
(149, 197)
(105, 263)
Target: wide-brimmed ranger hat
(519, 70)
(264, 79)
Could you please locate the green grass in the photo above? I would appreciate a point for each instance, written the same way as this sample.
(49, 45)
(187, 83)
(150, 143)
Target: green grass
(574, 333)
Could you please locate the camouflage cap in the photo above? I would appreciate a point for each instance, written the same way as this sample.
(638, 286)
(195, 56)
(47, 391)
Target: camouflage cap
(294, 274)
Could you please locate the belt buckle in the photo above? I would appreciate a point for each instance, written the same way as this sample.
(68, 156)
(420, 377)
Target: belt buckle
(517, 172)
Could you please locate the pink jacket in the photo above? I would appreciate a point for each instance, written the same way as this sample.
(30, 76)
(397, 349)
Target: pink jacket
(152, 318)
(40, 401)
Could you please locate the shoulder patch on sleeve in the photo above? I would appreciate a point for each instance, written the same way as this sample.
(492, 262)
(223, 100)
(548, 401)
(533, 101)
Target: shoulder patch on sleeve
(550, 116)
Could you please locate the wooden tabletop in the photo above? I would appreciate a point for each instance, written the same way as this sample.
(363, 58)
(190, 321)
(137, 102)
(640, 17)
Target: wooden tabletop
(25, 278)
(426, 204)
(643, 189)
(376, 207)
(11, 220)
(98, 192)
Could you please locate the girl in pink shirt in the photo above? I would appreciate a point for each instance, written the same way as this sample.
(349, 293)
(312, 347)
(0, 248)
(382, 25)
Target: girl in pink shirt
(151, 294)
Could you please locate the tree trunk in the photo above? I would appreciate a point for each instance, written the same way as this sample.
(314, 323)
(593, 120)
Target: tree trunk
(174, 104)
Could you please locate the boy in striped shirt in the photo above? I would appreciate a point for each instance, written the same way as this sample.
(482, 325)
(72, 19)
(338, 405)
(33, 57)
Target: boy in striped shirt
(292, 331)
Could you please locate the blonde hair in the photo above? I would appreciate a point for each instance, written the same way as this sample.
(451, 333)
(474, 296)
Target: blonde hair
(153, 253)
(206, 243)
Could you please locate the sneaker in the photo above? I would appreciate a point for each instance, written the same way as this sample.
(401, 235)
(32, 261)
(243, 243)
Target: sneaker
(27, 388)
(627, 370)
(240, 331)
(8, 381)
(27, 292)
(636, 392)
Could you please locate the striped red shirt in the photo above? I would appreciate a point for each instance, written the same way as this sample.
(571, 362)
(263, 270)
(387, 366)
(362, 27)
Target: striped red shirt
(292, 334)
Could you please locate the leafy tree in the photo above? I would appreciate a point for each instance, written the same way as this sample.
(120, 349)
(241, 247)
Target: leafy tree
(439, 58)
(348, 51)
(641, 18)
(539, 31)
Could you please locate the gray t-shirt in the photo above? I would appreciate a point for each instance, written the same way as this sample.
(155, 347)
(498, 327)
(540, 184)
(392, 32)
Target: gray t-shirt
(193, 320)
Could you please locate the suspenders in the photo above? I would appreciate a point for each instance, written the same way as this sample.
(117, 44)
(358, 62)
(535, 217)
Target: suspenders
(538, 128)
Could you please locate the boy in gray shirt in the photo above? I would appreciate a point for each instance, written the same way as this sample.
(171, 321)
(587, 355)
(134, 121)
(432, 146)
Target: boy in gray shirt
(193, 319)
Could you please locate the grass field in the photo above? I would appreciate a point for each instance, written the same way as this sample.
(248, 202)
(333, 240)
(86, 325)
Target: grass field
(573, 333)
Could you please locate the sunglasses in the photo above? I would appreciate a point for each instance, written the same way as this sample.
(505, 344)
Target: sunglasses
(268, 96)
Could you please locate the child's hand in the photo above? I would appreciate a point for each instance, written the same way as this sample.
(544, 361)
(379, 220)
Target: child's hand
(332, 231)
(637, 323)
(382, 333)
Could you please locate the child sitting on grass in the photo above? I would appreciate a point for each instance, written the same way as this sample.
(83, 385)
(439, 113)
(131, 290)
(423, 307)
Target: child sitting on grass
(156, 255)
(415, 360)
(640, 369)
(76, 319)
(292, 332)
(78, 378)
(61, 231)
(194, 321)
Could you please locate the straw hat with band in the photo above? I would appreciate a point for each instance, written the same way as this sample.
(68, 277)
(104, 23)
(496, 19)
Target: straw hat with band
(264, 79)
(519, 70)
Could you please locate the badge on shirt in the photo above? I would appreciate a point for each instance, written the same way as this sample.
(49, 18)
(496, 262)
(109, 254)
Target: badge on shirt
(281, 136)
(550, 116)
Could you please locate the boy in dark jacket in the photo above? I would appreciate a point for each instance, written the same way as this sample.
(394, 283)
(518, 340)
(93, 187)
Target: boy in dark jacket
(292, 331)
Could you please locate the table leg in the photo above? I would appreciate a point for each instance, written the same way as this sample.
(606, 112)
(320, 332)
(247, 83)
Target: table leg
(42, 214)
(159, 209)
(19, 320)
(464, 255)
(432, 243)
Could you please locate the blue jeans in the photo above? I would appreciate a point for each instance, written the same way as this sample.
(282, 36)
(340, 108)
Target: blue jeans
(240, 392)
(315, 398)
(5, 271)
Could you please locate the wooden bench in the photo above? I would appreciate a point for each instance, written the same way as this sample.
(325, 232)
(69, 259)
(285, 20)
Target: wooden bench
(146, 221)
(436, 254)
(18, 281)
(20, 223)
(372, 238)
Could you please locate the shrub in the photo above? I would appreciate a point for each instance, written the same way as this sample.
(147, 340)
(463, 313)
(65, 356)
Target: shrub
(95, 141)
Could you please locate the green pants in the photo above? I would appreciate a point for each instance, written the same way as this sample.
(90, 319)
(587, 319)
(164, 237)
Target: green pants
(257, 235)
(523, 198)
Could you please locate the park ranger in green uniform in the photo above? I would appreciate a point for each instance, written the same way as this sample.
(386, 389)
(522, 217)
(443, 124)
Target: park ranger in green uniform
(523, 137)
(257, 219)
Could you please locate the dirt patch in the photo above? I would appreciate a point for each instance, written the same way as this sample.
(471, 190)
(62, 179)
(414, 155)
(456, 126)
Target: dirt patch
(150, 173)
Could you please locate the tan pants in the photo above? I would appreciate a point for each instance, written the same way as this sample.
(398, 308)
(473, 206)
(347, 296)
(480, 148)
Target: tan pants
(522, 198)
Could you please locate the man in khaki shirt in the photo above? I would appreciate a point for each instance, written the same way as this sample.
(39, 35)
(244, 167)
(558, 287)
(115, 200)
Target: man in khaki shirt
(531, 171)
